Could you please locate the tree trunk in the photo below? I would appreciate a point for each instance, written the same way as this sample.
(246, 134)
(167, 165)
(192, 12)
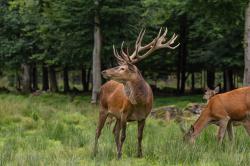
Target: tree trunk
(88, 77)
(66, 79)
(34, 78)
(26, 86)
(183, 51)
(210, 78)
(18, 81)
(83, 72)
(178, 72)
(246, 81)
(85, 85)
(96, 66)
(192, 82)
(45, 78)
(236, 80)
(228, 80)
(53, 87)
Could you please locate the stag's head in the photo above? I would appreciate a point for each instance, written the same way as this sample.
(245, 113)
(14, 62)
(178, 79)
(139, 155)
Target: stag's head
(122, 73)
(127, 70)
(209, 93)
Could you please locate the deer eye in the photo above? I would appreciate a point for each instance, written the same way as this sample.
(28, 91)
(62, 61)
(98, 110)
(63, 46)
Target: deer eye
(122, 68)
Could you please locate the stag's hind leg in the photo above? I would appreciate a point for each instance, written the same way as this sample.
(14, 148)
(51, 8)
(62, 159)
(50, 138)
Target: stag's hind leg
(141, 125)
(222, 128)
(102, 118)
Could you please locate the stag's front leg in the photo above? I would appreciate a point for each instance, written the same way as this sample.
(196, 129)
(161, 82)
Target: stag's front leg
(223, 126)
(141, 125)
(116, 131)
(123, 134)
(101, 122)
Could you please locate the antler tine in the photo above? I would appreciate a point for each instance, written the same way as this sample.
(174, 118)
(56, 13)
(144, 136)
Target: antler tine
(174, 47)
(165, 33)
(122, 47)
(139, 37)
(159, 34)
(171, 41)
(127, 50)
(114, 51)
(118, 57)
(155, 44)
(135, 54)
(155, 40)
(143, 33)
(138, 44)
(173, 38)
(124, 55)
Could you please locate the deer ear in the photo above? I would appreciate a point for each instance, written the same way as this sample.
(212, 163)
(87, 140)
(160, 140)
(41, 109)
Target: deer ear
(207, 89)
(217, 90)
(120, 63)
(131, 66)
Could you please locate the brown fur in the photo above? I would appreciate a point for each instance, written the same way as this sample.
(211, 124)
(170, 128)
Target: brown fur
(209, 93)
(130, 99)
(221, 109)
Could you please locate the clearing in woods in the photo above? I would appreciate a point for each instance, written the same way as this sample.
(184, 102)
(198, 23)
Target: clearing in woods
(50, 129)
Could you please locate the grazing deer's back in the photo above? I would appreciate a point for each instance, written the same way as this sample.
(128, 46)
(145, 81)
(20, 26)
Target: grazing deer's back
(236, 103)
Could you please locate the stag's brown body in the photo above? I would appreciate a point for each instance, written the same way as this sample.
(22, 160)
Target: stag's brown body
(128, 97)
(223, 109)
(133, 100)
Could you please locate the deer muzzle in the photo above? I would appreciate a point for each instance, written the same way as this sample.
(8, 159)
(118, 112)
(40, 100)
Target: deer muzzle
(104, 74)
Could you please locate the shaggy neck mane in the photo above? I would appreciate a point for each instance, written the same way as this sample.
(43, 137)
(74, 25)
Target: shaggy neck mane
(136, 90)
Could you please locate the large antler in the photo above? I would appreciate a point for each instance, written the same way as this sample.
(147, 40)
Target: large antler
(159, 42)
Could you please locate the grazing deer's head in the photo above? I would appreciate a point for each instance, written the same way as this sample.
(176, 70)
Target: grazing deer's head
(209, 93)
(127, 71)
(188, 137)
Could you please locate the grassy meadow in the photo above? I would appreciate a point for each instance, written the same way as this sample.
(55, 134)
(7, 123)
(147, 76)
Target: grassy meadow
(51, 129)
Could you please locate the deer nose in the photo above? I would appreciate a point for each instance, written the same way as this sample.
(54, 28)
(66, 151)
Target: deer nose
(104, 72)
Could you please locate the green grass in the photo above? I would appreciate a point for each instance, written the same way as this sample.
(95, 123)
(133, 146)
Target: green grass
(51, 130)
(180, 101)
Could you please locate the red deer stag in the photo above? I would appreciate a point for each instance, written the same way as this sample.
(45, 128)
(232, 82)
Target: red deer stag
(223, 109)
(128, 97)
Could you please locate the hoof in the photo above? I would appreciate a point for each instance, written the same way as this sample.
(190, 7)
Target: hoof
(119, 156)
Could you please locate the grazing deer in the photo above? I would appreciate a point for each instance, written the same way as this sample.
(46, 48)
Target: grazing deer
(207, 96)
(128, 97)
(223, 109)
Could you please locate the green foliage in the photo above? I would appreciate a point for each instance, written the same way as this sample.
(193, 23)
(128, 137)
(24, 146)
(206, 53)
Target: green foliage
(215, 30)
(61, 35)
(60, 32)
